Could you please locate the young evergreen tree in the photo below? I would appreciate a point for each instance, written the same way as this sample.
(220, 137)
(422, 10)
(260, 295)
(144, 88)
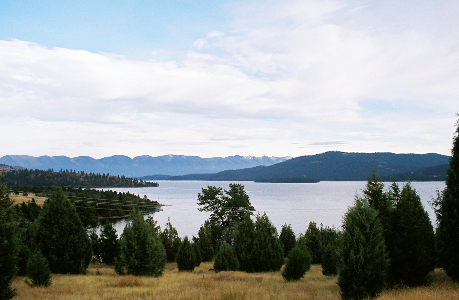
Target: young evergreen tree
(411, 243)
(287, 238)
(313, 241)
(298, 263)
(95, 246)
(62, 237)
(331, 258)
(171, 241)
(267, 253)
(197, 253)
(109, 246)
(38, 269)
(9, 242)
(447, 210)
(363, 268)
(226, 259)
(141, 250)
(186, 257)
(243, 243)
(206, 242)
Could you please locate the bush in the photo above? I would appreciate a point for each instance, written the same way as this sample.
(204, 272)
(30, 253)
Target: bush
(38, 270)
(186, 258)
(141, 250)
(298, 263)
(363, 268)
(61, 236)
(226, 259)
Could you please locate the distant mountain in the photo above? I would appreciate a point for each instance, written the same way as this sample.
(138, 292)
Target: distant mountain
(140, 166)
(333, 166)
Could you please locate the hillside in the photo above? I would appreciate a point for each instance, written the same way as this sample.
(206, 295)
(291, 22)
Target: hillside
(139, 166)
(333, 166)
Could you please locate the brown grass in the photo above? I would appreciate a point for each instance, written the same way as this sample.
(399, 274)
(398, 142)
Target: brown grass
(18, 199)
(101, 282)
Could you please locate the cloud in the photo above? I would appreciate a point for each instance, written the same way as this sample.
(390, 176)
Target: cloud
(285, 73)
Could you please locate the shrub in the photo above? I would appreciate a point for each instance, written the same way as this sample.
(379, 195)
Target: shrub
(38, 270)
(141, 251)
(226, 259)
(298, 263)
(186, 258)
(363, 268)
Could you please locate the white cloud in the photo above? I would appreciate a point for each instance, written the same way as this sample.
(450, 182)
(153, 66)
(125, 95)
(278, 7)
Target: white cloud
(287, 77)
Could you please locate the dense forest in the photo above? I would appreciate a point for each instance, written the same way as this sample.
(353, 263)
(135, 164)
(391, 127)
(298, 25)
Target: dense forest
(26, 177)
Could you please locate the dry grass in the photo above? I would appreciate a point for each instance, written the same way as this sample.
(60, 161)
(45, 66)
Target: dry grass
(206, 284)
(18, 199)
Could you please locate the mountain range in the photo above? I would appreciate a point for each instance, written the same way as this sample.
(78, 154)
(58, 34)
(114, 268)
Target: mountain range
(171, 165)
(339, 166)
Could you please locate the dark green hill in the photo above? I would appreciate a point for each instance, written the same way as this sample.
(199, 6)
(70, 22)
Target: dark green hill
(331, 166)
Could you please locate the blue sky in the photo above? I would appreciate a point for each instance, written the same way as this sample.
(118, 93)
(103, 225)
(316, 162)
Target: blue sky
(220, 78)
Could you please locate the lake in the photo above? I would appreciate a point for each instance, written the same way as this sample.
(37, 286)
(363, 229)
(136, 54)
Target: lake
(292, 203)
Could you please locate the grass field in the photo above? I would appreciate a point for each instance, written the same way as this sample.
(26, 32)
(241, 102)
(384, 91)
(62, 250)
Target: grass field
(101, 282)
(18, 199)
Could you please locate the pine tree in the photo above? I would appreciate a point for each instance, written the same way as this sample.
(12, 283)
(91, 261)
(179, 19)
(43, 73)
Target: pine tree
(171, 241)
(243, 243)
(186, 258)
(411, 241)
(313, 241)
(447, 210)
(108, 244)
(267, 253)
(287, 238)
(298, 263)
(9, 242)
(197, 253)
(62, 237)
(363, 268)
(226, 259)
(205, 242)
(331, 258)
(141, 250)
(38, 269)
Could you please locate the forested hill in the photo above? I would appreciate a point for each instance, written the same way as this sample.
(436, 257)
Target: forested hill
(25, 177)
(337, 166)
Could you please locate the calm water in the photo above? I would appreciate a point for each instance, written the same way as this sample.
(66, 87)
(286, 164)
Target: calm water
(292, 203)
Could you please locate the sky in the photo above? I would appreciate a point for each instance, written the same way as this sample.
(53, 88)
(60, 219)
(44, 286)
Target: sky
(221, 78)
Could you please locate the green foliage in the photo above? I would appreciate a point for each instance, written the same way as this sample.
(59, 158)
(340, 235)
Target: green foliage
(363, 268)
(243, 243)
(331, 258)
(447, 210)
(197, 253)
(226, 259)
(95, 246)
(186, 257)
(267, 253)
(313, 241)
(171, 241)
(298, 263)
(226, 208)
(109, 247)
(206, 242)
(9, 243)
(38, 269)
(287, 238)
(141, 250)
(62, 237)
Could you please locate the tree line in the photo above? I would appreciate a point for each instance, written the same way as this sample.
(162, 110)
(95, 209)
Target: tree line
(387, 239)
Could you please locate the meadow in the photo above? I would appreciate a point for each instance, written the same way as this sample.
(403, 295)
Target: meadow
(101, 282)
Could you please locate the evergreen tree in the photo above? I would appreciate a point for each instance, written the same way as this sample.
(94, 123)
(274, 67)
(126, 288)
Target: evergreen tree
(267, 253)
(206, 242)
(62, 237)
(226, 259)
(243, 244)
(109, 246)
(197, 253)
(331, 258)
(298, 263)
(411, 242)
(186, 257)
(141, 250)
(363, 268)
(9, 242)
(447, 210)
(171, 241)
(313, 241)
(287, 238)
(38, 269)
(95, 246)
